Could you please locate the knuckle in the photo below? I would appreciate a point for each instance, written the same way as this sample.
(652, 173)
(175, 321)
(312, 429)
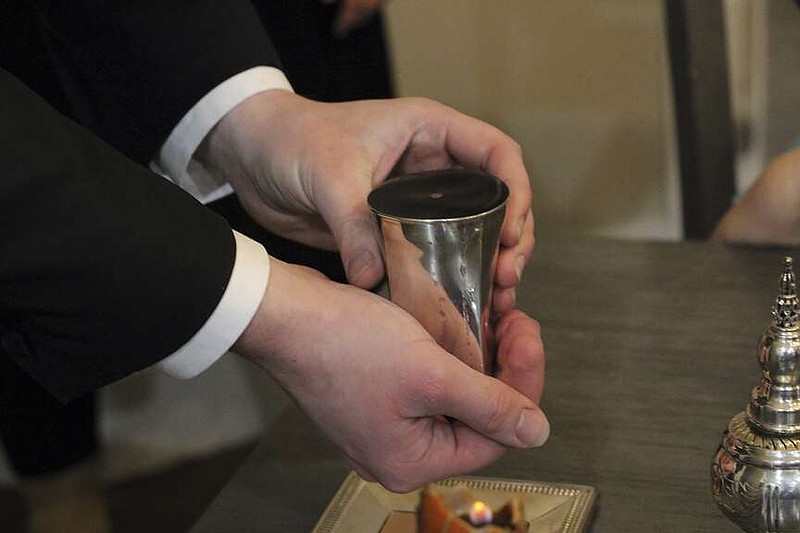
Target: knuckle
(536, 327)
(422, 101)
(526, 196)
(432, 388)
(497, 411)
(514, 365)
(517, 148)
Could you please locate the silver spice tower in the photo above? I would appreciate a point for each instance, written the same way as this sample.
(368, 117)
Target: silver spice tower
(755, 475)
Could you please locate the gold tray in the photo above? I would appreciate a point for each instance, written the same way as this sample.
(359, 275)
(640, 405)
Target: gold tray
(363, 507)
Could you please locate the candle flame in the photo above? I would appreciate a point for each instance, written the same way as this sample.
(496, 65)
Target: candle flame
(480, 514)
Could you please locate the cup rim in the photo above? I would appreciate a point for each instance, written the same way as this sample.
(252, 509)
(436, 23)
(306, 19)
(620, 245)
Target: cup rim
(429, 220)
(410, 220)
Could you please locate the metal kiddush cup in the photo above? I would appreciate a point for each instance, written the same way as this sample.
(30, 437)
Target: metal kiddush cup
(440, 233)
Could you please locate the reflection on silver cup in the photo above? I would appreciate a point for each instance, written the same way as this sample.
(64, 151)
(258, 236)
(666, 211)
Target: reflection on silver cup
(440, 233)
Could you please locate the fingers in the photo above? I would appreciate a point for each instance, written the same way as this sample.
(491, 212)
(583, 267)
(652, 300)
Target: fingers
(511, 264)
(452, 449)
(520, 354)
(344, 208)
(487, 405)
(491, 418)
(445, 138)
(503, 300)
(511, 260)
(476, 144)
(358, 245)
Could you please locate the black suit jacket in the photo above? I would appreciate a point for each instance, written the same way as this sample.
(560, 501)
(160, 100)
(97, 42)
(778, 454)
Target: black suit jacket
(107, 268)
(130, 69)
(321, 65)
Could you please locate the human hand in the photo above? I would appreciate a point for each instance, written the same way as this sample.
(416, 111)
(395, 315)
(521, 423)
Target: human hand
(303, 169)
(352, 14)
(769, 212)
(380, 387)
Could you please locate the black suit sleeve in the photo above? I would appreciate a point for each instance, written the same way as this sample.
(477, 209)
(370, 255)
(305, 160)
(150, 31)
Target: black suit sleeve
(105, 267)
(131, 69)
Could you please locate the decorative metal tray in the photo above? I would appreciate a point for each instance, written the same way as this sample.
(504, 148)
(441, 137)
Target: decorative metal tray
(363, 507)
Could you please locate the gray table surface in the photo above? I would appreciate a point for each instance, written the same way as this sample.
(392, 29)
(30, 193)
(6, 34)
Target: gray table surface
(650, 350)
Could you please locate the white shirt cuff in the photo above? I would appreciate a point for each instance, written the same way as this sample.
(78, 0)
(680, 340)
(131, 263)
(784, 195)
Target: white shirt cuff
(174, 159)
(234, 312)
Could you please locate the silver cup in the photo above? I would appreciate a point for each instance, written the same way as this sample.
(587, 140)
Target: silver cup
(440, 233)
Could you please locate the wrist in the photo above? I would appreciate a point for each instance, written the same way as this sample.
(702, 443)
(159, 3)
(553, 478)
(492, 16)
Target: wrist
(286, 306)
(233, 142)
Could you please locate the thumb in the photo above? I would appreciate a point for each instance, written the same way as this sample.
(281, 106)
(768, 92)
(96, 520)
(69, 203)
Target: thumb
(492, 408)
(357, 240)
(343, 206)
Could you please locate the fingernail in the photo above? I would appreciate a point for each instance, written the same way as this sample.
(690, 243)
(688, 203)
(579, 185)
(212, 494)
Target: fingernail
(519, 265)
(359, 264)
(533, 429)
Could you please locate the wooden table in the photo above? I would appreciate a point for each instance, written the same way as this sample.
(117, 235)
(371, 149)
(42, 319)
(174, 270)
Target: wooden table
(651, 349)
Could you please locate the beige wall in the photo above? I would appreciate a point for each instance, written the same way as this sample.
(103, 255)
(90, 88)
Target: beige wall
(582, 85)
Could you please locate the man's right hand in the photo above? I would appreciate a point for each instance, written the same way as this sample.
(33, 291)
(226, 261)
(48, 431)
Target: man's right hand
(303, 170)
(380, 387)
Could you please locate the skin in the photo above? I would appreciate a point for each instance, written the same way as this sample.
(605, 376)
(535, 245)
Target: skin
(310, 182)
(378, 385)
(769, 213)
(352, 14)
(369, 375)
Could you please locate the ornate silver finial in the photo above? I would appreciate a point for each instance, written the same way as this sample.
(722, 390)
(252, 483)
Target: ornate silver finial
(755, 474)
(786, 309)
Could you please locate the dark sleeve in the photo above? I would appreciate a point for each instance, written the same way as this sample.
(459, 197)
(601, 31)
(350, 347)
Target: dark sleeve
(131, 69)
(320, 65)
(105, 267)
